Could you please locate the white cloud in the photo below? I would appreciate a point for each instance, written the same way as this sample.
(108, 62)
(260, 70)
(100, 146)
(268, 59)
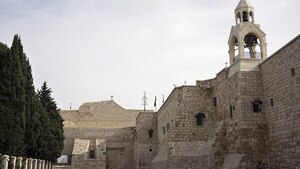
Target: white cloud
(90, 50)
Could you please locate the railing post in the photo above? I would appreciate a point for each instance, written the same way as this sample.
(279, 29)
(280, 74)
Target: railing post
(25, 163)
(19, 163)
(29, 163)
(4, 161)
(43, 164)
(38, 164)
(34, 164)
(47, 164)
(12, 162)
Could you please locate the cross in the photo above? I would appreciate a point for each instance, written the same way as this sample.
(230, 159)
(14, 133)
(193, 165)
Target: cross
(111, 98)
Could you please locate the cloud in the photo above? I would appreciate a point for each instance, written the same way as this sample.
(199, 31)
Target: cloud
(90, 50)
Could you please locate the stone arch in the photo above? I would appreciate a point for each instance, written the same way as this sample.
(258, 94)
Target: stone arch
(233, 48)
(238, 18)
(252, 45)
(252, 16)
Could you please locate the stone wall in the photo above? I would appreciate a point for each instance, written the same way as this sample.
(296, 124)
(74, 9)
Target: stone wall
(283, 118)
(146, 146)
(105, 114)
(120, 149)
(81, 157)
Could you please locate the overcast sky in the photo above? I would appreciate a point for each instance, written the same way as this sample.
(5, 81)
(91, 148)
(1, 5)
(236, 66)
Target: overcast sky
(88, 50)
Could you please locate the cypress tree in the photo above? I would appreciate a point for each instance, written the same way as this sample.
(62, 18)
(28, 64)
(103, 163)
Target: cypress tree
(37, 127)
(56, 122)
(25, 125)
(4, 108)
(12, 102)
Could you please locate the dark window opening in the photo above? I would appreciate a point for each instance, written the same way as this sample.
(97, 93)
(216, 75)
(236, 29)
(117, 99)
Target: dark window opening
(271, 102)
(245, 16)
(231, 111)
(150, 149)
(200, 118)
(92, 153)
(256, 105)
(168, 127)
(164, 130)
(150, 133)
(293, 71)
(215, 101)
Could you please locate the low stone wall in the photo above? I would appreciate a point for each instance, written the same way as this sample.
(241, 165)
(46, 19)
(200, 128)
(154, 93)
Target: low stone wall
(62, 167)
(12, 162)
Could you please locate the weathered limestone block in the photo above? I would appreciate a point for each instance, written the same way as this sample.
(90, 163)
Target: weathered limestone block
(19, 163)
(12, 162)
(4, 162)
(29, 163)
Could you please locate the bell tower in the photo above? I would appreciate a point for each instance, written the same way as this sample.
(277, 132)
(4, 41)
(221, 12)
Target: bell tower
(247, 42)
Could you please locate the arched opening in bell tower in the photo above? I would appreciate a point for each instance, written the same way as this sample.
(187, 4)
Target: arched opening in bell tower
(252, 16)
(245, 16)
(238, 18)
(252, 46)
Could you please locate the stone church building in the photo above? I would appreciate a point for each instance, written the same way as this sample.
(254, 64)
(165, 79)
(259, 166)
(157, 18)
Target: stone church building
(249, 112)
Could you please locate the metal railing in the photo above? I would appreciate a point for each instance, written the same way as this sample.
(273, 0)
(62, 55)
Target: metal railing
(248, 56)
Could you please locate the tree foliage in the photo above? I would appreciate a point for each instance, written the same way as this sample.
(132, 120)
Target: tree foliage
(27, 126)
(56, 121)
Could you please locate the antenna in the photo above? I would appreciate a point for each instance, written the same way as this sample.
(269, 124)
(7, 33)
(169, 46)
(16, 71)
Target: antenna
(70, 106)
(144, 101)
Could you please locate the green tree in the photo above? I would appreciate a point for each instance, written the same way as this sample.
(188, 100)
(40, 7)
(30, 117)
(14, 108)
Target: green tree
(12, 103)
(56, 122)
(4, 108)
(37, 126)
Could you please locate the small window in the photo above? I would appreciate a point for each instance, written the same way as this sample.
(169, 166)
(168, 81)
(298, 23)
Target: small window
(199, 119)
(271, 102)
(293, 71)
(245, 16)
(150, 149)
(168, 127)
(256, 105)
(215, 101)
(92, 153)
(231, 111)
(150, 133)
(164, 130)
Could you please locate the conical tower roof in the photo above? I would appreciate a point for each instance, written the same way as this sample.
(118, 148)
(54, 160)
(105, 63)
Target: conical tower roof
(244, 4)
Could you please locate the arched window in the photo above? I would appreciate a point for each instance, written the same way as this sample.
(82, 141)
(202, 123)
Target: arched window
(199, 119)
(150, 133)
